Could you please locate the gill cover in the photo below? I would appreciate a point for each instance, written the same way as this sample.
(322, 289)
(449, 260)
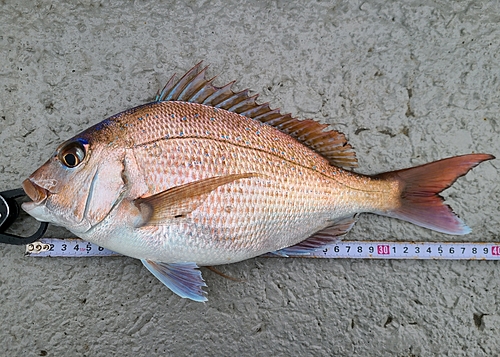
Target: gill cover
(82, 182)
(99, 171)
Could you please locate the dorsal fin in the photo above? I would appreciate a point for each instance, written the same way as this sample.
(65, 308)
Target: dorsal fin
(194, 87)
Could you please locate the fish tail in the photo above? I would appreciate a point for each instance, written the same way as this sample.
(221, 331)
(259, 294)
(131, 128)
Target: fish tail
(420, 202)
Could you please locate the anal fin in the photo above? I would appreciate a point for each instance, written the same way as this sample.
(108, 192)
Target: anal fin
(184, 279)
(320, 239)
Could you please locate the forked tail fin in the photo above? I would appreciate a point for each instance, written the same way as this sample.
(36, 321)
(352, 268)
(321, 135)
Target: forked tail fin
(420, 201)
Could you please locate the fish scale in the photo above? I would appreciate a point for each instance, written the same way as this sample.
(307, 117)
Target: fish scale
(206, 176)
(165, 121)
(294, 197)
(289, 203)
(293, 201)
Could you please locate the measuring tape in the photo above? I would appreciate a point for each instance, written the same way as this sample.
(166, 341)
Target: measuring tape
(72, 247)
(54, 247)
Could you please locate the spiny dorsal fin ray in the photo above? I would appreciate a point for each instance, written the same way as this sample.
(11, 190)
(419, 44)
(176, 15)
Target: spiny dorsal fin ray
(178, 90)
(196, 88)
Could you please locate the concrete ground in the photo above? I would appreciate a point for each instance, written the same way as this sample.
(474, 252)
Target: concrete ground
(407, 81)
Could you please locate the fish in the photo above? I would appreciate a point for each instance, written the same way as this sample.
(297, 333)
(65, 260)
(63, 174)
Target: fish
(204, 176)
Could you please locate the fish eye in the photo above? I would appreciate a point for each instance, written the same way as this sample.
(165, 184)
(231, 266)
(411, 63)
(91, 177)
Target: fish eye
(72, 154)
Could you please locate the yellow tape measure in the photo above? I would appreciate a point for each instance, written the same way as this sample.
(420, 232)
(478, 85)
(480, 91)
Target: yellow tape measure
(53, 247)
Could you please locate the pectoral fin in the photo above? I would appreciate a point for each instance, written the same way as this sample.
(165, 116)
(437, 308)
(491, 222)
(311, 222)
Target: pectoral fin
(181, 200)
(184, 279)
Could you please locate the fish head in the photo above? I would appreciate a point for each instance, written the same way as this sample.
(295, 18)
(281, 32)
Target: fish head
(78, 186)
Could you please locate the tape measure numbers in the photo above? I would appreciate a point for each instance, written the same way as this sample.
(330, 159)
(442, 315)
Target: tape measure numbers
(411, 250)
(53, 247)
(73, 247)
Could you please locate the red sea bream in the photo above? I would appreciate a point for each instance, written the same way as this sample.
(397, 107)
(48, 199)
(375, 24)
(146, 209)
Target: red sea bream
(205, 176)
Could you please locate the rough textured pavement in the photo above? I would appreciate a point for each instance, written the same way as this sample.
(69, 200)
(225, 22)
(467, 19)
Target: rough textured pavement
(407, 81)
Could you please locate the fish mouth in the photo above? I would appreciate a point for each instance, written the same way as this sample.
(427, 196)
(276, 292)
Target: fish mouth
(36, 193)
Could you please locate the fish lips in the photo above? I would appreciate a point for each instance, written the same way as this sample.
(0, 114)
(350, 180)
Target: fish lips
(36, 193)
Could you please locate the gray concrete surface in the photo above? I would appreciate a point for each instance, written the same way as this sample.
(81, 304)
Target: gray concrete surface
(407, 81)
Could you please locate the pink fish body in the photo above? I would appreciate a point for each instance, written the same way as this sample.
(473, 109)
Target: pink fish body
(205, 176)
